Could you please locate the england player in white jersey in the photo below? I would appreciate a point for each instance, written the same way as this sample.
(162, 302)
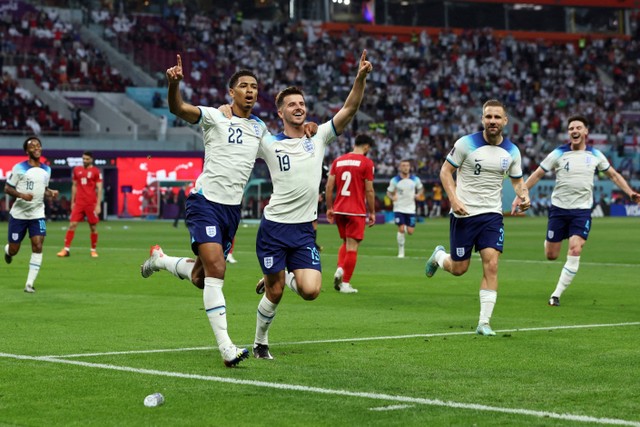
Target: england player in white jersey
(213, 207)
(28, 183)
(481, 161)
(403, 190)
(574, 165)
(286, 237)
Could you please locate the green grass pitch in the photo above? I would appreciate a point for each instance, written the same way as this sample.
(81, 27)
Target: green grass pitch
(96, 338)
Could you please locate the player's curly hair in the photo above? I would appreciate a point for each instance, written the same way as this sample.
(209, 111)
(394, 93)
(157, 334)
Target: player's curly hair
(363, 139)
(30, 138)
(578, 118)
(233, 81)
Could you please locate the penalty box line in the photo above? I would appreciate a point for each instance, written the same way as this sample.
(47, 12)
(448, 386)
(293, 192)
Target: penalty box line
(336, 392)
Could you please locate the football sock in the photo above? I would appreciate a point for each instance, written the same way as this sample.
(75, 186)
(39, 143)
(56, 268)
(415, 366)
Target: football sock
(487, 302)
(6, 249)
(178, 266)
(401, 239)
(94, 241)
(68, 238)
(214, 304)
(566, 276)
(341, 254)
(350, 259)
(290, 281)
(266, 313)
(34, 268)
(440, 257)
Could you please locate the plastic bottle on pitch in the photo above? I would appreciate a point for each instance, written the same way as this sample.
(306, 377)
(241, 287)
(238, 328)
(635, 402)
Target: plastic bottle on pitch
(155, 399)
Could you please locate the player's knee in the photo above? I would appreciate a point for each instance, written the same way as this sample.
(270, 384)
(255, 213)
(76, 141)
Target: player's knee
(459, 269)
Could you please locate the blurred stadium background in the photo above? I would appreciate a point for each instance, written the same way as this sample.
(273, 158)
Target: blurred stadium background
(89, 75)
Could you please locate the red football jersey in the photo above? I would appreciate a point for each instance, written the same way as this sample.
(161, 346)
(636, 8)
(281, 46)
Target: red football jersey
(86, 180)
(350, 171)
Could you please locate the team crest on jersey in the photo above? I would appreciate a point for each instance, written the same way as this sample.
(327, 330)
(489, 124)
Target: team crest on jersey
(504, 163)
(460, 252)
(308, 145)
(588, 160)
(88, 174)
(267, 261)
(211, 230)
(550, 234)
(256, 129)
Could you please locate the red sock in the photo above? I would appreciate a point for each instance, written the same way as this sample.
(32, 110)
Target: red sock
(341, 253)
(350, 260)
(94, 241)
(68, 238)
(233, 243)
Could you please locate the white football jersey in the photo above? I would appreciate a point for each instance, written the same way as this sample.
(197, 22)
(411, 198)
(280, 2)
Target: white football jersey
(406, 190)
(482, 168)
(295, 165)
(230, 148)
(32, 180)
(575, 171)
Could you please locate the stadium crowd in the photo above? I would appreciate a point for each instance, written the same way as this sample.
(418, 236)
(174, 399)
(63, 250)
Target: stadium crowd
(422, 96)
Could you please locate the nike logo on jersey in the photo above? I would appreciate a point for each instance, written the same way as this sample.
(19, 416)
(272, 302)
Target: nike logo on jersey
(479, 160)
(279, 151)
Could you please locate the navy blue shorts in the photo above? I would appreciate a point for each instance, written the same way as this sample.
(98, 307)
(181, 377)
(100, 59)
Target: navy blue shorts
(18, 228)
(405, 219)
(481, 231)
(286, 245)
(564, 223)
(211, 222)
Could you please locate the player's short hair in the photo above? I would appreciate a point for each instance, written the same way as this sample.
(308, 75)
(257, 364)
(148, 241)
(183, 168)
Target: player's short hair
(578, 118)
(29, 138)
(291, 90)
(233, 81)
(363, 139)
(406, 160)
(494, 103)
(88, 153)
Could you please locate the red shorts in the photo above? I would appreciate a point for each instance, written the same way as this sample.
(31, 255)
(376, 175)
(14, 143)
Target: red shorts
(351, 226)
(78, 214)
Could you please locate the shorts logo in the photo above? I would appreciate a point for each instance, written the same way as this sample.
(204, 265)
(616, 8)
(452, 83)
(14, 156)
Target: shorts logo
(550, 234)
(211, 230)
(504, 163)
(14, 236)
(460, 252)
(267, 261)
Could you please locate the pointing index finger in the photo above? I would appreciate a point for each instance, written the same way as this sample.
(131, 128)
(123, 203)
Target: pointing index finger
(179, 61)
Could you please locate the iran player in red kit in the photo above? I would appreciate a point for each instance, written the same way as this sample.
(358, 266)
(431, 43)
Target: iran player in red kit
(352, 176)
(86, 202)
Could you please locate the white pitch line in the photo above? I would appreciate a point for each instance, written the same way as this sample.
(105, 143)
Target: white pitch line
(339, 340)
(391, 407)
(338, 392)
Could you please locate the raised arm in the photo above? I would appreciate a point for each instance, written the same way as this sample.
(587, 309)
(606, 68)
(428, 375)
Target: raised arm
(622, 184)
(177, 105)
(351, 105)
